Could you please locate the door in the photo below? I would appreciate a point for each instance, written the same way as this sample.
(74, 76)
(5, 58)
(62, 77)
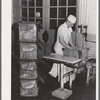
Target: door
(50, 13)
(55, 13)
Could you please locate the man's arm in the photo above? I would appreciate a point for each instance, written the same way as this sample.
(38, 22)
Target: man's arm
(61, 40)
(71, 43)
(61, 36)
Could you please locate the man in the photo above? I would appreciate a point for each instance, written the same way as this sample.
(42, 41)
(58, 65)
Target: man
(64, 40)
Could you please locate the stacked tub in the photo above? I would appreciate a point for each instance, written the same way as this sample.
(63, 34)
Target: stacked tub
(28, 59)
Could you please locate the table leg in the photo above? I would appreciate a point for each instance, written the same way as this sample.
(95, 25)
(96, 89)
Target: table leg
(70, 81)
(58, 72)
(88, 66)
(88, 74)
(61, 74)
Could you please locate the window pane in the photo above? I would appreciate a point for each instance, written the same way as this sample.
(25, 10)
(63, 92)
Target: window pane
(53, 24)
(24, 12)
(24, 2)
(39, 20)
(31, 19)
(71, 2)
(53, 2)
(72, 11)
(62, 12)
(39, 10)
(31, 12)
(31, 3)
(53, 12)
(24, 19)
(62, 2)
(38, 2)
(60, 22)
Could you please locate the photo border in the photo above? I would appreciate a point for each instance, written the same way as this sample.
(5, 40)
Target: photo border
(5, 54)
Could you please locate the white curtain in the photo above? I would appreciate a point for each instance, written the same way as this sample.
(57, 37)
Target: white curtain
(83, 9)
(87, 14)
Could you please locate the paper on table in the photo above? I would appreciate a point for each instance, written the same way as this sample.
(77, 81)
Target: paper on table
(63, 59)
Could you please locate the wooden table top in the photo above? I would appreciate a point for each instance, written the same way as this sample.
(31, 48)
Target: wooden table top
(63, 59)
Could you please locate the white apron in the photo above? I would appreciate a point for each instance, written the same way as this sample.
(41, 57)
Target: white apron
(66, 33)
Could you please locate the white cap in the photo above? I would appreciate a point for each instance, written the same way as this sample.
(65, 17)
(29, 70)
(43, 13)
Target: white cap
(72, 18)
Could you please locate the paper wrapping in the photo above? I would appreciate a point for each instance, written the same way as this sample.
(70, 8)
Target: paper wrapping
(28, 51)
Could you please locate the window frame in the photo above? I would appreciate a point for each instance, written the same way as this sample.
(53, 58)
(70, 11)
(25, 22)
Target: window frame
(34, 18)
(60, 7)
(46, 12)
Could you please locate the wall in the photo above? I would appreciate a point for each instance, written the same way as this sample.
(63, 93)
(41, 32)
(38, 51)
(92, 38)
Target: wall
(16, 11)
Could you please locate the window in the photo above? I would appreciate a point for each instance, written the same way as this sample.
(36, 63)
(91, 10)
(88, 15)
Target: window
(51, 13)
(59, 9)
(32, 10)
